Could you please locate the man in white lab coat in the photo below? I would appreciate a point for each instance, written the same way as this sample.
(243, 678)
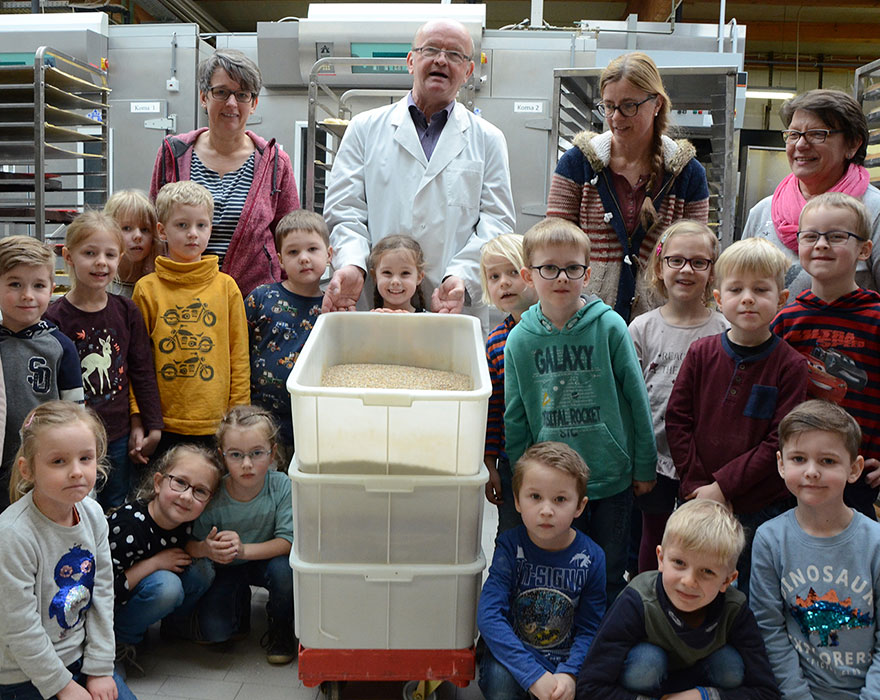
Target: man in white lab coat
(424, 166)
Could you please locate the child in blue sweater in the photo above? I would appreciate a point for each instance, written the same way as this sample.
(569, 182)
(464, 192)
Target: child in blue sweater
(545, 595)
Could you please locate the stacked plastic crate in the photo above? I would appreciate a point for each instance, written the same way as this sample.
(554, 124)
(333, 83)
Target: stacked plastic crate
(388, 487)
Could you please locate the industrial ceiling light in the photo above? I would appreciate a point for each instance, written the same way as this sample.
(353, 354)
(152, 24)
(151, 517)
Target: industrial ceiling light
(770, 93)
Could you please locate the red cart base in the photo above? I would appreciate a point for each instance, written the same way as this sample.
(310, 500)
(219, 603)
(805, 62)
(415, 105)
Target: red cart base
(318, 665)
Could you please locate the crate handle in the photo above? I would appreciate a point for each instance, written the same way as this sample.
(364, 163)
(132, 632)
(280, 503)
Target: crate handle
(389, 578)
(384, 486)
(385, 398)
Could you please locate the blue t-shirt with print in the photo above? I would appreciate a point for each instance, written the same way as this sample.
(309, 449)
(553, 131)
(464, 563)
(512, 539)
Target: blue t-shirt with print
(279, 322)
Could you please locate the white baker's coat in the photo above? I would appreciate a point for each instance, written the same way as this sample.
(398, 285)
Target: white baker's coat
(382, 184)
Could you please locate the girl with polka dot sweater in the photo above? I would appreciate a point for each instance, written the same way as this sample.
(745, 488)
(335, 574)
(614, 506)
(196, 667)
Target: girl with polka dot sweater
(153, 576)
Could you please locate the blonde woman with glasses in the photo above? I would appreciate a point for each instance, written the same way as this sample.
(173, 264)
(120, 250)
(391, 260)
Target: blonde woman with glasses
(623, 187)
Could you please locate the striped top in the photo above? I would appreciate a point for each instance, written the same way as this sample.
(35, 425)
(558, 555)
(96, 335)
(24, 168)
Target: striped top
(229, 192)
(495, 357)
(842, 346)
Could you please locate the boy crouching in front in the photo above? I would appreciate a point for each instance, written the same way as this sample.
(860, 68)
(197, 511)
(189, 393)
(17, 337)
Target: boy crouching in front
(682, 632)
(545, 595)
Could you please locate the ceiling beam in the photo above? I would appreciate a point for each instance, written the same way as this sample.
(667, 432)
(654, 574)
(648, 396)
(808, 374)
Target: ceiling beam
(649, 10)
(732, 6)
(824, 32)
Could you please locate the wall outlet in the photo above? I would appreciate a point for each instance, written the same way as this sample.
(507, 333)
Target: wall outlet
(172, 85)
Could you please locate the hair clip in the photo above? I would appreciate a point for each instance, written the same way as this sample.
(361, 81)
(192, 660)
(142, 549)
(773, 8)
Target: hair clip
(28, 421)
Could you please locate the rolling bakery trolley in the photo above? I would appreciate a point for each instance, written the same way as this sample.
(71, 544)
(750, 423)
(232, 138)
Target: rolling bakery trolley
(388, 504)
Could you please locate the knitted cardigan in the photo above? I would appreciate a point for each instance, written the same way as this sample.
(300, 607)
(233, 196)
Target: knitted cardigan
(582, 192)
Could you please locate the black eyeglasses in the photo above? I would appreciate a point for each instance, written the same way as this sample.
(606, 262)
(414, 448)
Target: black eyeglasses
(811, 135)
(202, 495)
(677, 262)
(222, 94)
(256, 456)
(551, 272)
(433, 52)
(627, 109)
(834, 238)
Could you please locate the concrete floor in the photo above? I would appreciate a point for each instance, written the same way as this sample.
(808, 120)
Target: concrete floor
(186, 671)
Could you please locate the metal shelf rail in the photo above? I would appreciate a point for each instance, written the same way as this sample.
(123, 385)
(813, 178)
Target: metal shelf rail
(53, 139)
(337, 108)
(867, 93)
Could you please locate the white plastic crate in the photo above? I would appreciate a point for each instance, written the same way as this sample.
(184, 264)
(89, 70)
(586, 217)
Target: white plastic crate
(360, 606)
(367, 519)
(390, 431)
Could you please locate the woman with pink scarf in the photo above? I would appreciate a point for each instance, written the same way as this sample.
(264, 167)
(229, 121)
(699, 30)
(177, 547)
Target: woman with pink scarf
(826, 137)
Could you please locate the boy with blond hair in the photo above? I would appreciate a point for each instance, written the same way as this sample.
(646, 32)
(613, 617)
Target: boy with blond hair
(834, 324)
(571, 374)
(732, 391)
(817, 567)
(545, 595)
(196, 322)
(682, 632)
(280, 315)
(501, 260)
(39, 362)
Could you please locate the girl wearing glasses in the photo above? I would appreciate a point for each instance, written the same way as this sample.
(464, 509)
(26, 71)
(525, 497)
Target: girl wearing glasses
(153, 576)
(250, 179)
(625, 186)
(247, 533)
(680, 271)
(826, 136)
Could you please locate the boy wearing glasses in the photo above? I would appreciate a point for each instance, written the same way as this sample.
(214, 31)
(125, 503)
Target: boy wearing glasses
(834, 323)
(571, 375)
(731, 392)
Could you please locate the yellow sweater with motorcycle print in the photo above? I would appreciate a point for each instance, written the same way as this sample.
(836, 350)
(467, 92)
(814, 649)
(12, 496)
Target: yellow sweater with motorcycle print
(196, 322)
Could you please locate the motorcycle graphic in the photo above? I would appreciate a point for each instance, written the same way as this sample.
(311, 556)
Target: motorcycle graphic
(194, 366)
(195, 312)
(185, 340)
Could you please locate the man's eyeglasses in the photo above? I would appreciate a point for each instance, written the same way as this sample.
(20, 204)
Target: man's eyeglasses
(202, 495)
(433, 52)
(834, 238)
(551, 272)
(222, 94)
(256, 456)
(677, 262)
(627, 109)
(811, 135)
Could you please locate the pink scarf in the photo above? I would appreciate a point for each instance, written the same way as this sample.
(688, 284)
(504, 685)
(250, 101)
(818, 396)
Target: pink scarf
(787, 202)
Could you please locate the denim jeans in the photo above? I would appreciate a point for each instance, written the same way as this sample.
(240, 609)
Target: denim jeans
(496, 681)
(224, 609)
(120, 478)
(158, 595)
(27, 691)
(508, 516)
(646, 672)
(607, 523)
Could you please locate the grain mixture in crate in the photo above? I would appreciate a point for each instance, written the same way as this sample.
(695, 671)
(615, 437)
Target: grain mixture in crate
(373, 376)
